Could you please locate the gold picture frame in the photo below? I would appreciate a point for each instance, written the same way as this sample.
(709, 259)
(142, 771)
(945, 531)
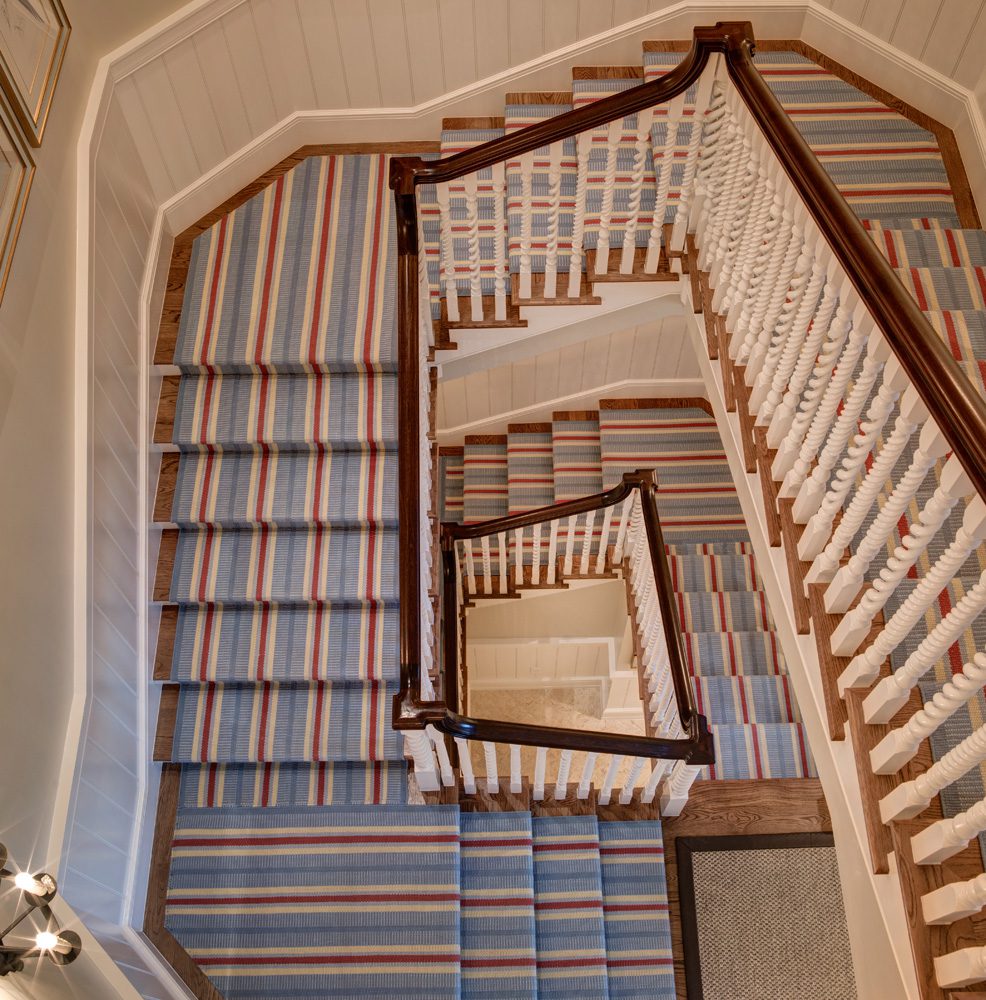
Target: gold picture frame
(16, 175)
(33, 38)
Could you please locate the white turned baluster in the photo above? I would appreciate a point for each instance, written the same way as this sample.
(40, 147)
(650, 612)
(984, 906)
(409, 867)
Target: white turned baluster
(564, 767)
(621, 532)
(649, 791)
(614, 132)
(961, 968)
(824, 420)
(467, 548)
(644, 120)
(675, 792)
(812, 490)
(759, 373)
(750, 323)
(583, 145)
(947, 837)
(590, 521)
(448, 253)
(516, 778)
(911, 413)
(500, 261)
(527, 214)
(891, 694)
(683, 209)
(847, 582)
(722, 190)
(783, 416)
(502, 562)
(736, 232)
(733, 283)
(570, 546)
(553, 551)
(536, 555)
(902, 743)
(789, 449)
(555, 153)
(540, 763)
(819, 528)
(519, 556)
(465, 765)
(471, 184)
(604, 541)
(636, 767)
(675, 113)
(588, 769)
(441, 752)
(492, 776)
(769, 389)
(954, 902)
(423, 755)
(913, 797)
(487, 565)
(856, 623)
(606, 792)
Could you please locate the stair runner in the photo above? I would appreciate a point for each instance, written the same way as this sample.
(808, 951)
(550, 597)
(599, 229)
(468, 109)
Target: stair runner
(734, 656)
(420, 901)
(292, 826)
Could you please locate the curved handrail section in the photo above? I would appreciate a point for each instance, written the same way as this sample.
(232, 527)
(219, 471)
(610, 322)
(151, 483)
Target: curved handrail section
(695, 748)
(949, 395)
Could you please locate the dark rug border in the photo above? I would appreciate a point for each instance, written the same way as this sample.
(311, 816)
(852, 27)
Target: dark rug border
(686, 848)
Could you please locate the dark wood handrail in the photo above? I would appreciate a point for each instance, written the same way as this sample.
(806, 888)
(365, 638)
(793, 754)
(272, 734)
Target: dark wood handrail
(695, 748)
(949, 395)
(553, 511)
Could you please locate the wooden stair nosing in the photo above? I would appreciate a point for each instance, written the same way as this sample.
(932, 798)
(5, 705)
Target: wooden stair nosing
(521, 97)
(575, 415)
(614, 275)
(476, 123)
(608, 72)
(535, 428)
(657, 403)
(512, 322)
(586, 297)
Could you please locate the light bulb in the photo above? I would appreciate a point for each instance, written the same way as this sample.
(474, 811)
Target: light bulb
(46, 941)
(28, 883)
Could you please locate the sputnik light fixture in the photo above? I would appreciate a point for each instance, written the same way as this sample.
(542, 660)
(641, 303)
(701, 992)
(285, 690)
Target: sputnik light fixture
(37, 891)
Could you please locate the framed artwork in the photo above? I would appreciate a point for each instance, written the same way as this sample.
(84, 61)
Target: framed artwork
(33, 36)
(16, 174)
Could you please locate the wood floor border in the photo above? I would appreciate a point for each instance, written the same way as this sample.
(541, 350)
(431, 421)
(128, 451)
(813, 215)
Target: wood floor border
(157, 890)
(776, 805)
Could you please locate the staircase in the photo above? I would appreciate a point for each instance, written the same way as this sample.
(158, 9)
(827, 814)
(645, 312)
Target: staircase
(292, 862)
(734, 657)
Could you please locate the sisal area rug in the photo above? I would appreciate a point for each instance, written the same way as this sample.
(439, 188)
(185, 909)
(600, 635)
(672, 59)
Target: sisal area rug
(763, 918)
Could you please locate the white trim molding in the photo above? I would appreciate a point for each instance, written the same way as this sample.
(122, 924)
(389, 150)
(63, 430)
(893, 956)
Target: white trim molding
(142, 179)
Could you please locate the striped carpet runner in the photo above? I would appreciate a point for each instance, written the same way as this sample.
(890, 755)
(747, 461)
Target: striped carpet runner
(296, 900)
